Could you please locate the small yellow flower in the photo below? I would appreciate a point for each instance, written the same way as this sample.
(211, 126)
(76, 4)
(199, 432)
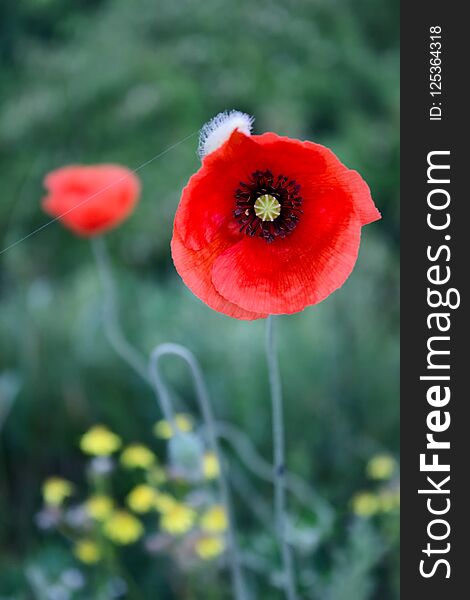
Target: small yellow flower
(365, 504)
(381, 467)
(389, 500)
(142, 498)
(178, 519)
(209, 547)
(163, 502)
(55, 490)
(137, 456)
(163, 429)
(214, 520)
(123, 528)
(99, 507)
(210, 466)
(100, 441)
(87, 551)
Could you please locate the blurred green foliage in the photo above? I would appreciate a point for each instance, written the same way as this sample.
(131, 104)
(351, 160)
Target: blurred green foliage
(119, 81)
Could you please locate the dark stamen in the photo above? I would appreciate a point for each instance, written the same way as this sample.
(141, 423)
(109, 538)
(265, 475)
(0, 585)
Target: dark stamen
(281, 188)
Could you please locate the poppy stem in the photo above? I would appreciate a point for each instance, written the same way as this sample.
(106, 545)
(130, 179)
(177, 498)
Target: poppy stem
(110, 317)
(279, 460)
(160, 389)
(205, 407)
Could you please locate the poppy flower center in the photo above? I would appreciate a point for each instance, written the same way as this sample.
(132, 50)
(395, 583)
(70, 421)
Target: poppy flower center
(267, 208)
(267, 205)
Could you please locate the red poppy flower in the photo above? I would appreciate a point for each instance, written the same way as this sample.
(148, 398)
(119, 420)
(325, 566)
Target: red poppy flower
(90, 200)
(268, 225)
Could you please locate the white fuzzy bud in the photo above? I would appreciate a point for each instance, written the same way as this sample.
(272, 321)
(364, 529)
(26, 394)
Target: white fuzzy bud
(218, 130)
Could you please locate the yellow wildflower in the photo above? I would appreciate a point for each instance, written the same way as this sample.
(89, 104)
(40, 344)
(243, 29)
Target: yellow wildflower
(209, 547)
(137, 456)
(87, 551)
(99, 507)
(210, 466)
(381, 466)
(163, 502)
(163, 429)
(123, 528)
(178, 519)
(214, 520)
(365, 504)
(55, 490)
(100, 441)
(142, 498)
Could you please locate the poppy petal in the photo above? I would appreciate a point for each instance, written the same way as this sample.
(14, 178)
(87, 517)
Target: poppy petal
(360, 192)
(313, 165)
(286, 279)
(195, 268)
(207, 201)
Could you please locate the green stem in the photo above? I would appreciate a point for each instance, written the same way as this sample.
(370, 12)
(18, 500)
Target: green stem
(206, 412)
(110, 317)
(279, 461)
